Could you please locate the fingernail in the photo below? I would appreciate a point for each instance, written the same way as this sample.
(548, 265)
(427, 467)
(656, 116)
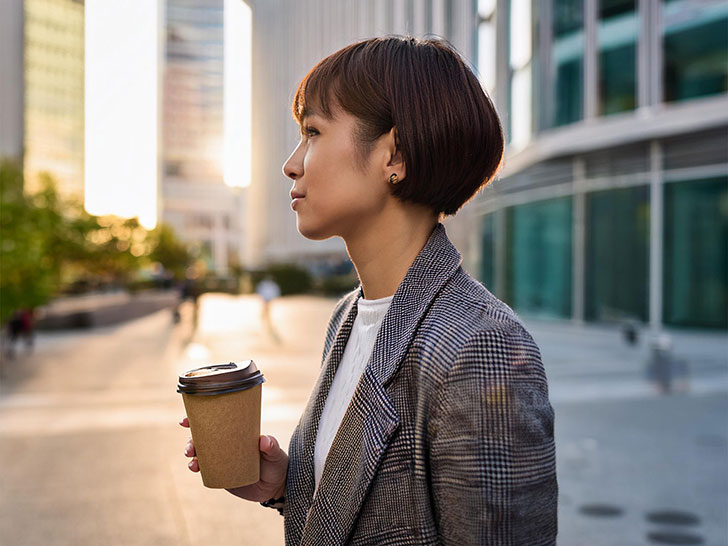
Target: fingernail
(190, 464)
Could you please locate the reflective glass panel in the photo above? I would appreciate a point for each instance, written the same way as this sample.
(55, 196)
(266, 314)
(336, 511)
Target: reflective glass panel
(487, 256)
(696, 253)
(695, 49)
(617, 42)
(538, 257)
(568, 61)
(617, 254)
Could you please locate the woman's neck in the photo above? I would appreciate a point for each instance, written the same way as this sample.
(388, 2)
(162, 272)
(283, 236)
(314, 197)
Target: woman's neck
(383, 252)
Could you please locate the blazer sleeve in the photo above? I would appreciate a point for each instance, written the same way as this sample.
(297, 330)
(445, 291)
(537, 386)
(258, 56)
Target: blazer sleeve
(492, 455)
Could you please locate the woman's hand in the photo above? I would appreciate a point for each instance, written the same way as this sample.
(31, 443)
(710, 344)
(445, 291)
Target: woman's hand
(273, 470)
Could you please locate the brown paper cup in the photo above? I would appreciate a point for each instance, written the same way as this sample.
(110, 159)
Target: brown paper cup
(226, 430)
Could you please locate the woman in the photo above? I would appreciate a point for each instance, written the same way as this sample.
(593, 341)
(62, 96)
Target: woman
(430, 422)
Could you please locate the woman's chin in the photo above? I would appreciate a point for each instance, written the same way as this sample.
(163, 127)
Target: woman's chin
(314, 233)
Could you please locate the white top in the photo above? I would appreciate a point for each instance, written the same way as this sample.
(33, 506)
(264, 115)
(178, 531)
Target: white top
(357, 352)
(268, 290)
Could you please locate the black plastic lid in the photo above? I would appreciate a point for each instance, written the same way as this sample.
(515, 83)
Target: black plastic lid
(220, 378)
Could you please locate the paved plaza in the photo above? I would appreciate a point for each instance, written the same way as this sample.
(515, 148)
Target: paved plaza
(92, 453)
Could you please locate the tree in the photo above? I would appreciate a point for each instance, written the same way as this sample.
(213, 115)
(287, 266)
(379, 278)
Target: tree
(168, 250)
(30, 226)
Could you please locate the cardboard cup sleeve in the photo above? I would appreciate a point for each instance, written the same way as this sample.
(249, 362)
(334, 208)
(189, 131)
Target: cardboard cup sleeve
(223, 407)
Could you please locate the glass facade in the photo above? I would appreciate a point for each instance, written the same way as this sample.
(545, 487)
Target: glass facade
(573, 61)
(538, 260)
(487, 253)
(193, 90)
(617, 43)
(486, 44)
(695, 49)
(54, 94)
(617, 254)
(520, 104)
(696, 253)
(568, 61)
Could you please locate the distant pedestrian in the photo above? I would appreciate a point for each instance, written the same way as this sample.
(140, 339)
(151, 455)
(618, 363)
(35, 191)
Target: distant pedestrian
(20, 325)
(190, 291)
(268, 290)
(430, 423)
(27, 331)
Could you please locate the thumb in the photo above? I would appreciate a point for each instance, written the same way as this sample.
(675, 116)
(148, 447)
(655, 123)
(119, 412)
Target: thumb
(269, 447)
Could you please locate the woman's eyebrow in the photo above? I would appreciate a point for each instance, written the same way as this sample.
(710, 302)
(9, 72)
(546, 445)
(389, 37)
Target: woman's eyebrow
(309, 115)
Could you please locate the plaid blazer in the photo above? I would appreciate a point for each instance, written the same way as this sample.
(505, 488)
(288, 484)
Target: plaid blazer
(449, 435)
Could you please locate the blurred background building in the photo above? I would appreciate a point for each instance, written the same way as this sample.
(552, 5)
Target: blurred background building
(613, 202)
(11, 84)
(42, 90)
(195, 201)
(289, 38)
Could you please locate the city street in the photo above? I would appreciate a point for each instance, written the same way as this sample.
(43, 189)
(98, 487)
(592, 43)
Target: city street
(92, 452)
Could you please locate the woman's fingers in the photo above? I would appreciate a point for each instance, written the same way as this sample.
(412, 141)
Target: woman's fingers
(190, 448)
(270, 449)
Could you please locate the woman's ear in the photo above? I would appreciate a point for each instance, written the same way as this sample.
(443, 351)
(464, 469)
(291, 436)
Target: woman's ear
(395, 163)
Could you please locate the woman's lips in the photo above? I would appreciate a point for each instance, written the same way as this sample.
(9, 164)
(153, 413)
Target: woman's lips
(296, 199)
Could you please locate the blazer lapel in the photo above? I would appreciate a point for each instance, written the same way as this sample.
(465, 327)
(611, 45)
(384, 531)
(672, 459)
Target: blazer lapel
(371, 419)
(301, 472)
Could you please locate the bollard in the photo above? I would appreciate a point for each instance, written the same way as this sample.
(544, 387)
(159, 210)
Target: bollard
(630, 331)
(669, 373)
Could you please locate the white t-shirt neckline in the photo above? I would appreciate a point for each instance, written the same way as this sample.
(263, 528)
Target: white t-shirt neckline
(358, 351)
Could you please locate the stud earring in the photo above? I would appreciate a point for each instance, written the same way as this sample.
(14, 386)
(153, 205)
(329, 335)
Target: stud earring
(393, 179)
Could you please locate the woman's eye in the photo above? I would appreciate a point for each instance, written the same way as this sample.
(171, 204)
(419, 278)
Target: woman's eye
(309, 131)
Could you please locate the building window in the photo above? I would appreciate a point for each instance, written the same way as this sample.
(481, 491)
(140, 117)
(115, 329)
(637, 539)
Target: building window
(617, 254)
(538, 257)
(449, 23)
(568, 61)
(520, 55)
(695, 48)
(206, 254)
(198, 221)
(487, 260)
(695, 281)
(487, 44)
(617, 40)
(428, 17)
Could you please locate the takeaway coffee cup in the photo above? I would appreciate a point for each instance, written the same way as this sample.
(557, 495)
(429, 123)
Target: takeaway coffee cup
(223, 407)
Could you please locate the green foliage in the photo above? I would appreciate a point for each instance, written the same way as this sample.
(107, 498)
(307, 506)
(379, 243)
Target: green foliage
(291, 279)
(49, 244)
(115, 249)
(337, 285)
(168, 250)
(31, 229)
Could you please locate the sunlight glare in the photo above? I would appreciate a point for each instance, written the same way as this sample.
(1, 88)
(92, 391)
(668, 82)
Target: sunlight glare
(237, 99)
(123, 50)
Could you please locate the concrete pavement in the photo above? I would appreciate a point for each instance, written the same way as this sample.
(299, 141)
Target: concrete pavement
(91, 450)
(92, 453)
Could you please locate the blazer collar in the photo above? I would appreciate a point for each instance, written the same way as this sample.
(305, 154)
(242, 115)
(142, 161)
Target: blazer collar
(429, 272)
(371, 419)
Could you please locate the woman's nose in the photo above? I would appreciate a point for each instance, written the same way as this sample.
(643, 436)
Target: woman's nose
(293, 167)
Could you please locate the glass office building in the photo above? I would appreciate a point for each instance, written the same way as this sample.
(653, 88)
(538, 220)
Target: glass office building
(613, 200)
(53, 84)
(196, 202)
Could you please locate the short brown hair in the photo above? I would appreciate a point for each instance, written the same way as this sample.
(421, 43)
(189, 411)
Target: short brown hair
(447, 128)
